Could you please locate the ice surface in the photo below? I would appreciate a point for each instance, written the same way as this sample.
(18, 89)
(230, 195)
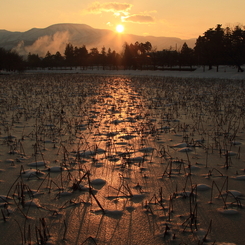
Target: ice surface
(117, 138)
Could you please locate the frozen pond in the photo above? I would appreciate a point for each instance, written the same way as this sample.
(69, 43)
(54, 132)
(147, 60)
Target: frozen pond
(90, 159)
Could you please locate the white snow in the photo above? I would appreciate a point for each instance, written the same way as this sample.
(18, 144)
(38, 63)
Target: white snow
(203, 187)
(227, 211)
(225, 72)
(98, 182)
(31, 173)
(38, 163)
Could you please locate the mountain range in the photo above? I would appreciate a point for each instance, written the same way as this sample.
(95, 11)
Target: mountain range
(55, 38)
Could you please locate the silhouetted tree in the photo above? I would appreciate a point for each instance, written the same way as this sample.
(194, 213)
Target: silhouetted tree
(143, 58)
(238, 47)
(145, 47)
(209, 48)
(69, 55)
(48, 60)
(113, 59)
(103, 58)
(127, 57)
(33, 61)
(11, 61)
(3, 54)
(168, 58)
(135, 55)
(186, 56)
(218, 46)
(221, 47)
(94, 57)
(58, 59)
(155, 59)
(80, 56)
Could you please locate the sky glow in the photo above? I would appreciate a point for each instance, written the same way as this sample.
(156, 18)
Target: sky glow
(183, 19)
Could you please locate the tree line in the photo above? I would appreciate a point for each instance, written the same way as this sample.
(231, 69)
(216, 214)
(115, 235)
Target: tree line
(217, 46)
(11, 60)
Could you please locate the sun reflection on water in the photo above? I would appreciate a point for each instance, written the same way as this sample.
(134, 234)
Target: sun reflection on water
(106, 160)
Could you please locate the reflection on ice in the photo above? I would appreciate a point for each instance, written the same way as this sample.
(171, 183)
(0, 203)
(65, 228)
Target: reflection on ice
(145, 154)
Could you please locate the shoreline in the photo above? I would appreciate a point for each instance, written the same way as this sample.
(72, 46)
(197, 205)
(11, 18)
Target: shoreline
(224, 72)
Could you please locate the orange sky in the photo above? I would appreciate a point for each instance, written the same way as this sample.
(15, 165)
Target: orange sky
(179, 18)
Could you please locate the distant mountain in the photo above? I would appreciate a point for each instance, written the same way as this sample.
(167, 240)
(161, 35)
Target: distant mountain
(56, 37)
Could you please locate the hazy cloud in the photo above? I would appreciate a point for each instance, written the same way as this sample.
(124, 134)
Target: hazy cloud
(42, 45)
(138, 18)
(109, 23)
(114, 7)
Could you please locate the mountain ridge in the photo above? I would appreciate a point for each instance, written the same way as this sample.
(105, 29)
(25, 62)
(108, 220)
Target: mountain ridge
(55, 37)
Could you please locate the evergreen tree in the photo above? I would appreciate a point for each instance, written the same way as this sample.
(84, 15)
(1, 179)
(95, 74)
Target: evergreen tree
(94, 57)
(209, 48)
(238, 47)
(69, 54)
(11, 61)
(80, 56)
(186, 55)
(33, 61)
(103, 58)
(58, 59)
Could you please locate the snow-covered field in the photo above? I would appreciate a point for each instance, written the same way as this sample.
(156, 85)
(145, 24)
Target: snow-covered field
(225, 72)
(107, 158)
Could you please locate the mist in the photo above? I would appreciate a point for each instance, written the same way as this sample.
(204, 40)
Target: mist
(56, 37)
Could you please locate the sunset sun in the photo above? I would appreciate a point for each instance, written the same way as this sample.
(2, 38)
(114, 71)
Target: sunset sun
(120, 28)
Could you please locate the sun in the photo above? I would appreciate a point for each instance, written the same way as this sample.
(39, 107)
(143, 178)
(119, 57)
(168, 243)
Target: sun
(120, 28)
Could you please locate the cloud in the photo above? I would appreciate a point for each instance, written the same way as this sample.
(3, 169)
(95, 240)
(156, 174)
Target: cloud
(138, 18)
(109, 23)
(121, 9)
(114, 7)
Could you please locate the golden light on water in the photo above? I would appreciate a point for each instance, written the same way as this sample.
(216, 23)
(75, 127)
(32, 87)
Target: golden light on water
(120, 158)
